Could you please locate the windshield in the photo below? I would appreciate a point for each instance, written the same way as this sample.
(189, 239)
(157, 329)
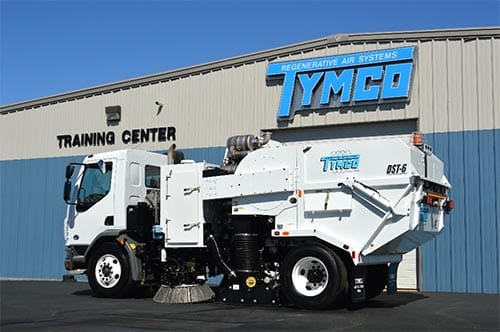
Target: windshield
(94, 186)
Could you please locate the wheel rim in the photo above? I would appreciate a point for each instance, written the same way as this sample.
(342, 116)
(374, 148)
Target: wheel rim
(309, 276)
(108, 271)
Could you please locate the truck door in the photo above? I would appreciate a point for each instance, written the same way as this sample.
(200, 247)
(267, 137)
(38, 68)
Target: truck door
(94, 210)
(183, 206)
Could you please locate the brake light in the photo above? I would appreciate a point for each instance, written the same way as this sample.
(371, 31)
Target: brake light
(450, 205)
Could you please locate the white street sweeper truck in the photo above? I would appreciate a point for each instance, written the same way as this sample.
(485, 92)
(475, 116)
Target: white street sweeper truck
(311, 223)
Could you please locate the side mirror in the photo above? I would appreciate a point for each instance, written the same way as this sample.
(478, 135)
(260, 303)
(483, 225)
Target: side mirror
(67, 190)
(70, 169)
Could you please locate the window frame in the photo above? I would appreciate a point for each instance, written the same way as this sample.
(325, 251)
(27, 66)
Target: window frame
(146, 177)
(81, 205)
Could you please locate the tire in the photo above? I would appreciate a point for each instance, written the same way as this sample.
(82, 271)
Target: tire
(376, 279)
(109, 271)
(313, 277)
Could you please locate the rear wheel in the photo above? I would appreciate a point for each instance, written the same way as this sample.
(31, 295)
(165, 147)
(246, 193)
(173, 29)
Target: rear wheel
(313, 277)
(109, 271)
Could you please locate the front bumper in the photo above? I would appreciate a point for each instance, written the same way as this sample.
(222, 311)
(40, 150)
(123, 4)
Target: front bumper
(75, 259)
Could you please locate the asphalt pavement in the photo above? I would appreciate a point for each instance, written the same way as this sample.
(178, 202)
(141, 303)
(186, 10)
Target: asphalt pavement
(64, 306)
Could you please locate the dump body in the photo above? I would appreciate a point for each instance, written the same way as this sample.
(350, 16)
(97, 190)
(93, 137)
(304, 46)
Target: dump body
(362, 195)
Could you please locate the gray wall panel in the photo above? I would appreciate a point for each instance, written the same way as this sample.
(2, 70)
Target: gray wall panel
(495, 74)
(485, 89)
(425, 86)
(453, 89)
(469, 81)
(439, 80)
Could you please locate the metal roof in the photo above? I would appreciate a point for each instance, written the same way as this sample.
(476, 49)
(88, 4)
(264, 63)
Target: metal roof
(337, 39)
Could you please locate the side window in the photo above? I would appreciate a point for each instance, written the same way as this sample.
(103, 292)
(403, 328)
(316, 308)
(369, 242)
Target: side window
(94, 186)
(134, 178)
(152, 177)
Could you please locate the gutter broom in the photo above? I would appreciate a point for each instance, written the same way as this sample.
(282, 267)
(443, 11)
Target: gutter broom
(184, 294)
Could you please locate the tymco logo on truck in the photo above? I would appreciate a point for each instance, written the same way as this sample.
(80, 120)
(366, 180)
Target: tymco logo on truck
(340, 162)
(343, 80)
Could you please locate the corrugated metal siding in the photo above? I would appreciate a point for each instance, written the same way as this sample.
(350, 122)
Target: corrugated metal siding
(407, 271)
(32, 214)
(465, 257)
(403, 127)
(457, 85)
(453, 89)
(205, 109)
(316, 44)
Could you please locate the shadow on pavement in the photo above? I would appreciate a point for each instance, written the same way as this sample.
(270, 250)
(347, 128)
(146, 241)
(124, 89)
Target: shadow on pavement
(381, 301)
(138, 293)
(392, 301)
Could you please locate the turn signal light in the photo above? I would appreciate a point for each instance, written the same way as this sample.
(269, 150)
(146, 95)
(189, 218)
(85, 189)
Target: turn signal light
(418, 138)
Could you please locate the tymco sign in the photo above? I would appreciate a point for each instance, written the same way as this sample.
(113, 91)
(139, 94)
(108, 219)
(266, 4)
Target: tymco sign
(344, 80)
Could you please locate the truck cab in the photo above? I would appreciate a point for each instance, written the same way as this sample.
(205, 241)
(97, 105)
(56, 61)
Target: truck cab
(100, 192)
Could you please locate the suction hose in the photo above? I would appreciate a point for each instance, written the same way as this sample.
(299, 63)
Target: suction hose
(214, 248)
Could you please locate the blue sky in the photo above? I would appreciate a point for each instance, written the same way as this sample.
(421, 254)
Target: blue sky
(50, 47)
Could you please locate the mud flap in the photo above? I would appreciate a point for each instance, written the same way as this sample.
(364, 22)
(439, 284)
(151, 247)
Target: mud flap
(358, 283)
(136, 270)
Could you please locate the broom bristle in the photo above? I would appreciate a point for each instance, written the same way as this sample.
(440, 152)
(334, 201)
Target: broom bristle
(184, 294)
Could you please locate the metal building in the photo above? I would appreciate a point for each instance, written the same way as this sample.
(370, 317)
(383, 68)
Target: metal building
(443, 83)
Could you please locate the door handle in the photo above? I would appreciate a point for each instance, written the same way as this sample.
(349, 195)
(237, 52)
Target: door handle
(188, 227)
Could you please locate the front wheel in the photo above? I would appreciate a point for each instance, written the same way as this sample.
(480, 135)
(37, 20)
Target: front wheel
(109, 271)
(313, 277)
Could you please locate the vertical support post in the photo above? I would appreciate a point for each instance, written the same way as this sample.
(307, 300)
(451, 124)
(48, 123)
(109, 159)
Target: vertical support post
(392, 277)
